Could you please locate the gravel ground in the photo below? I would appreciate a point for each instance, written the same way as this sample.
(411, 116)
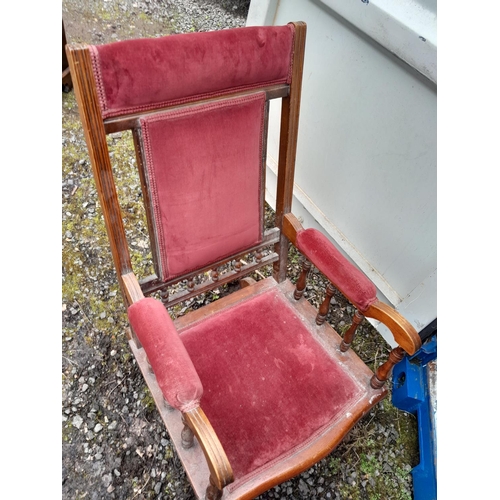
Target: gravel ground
(113, 441)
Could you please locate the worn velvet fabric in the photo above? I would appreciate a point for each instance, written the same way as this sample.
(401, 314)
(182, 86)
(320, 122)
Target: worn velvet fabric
(167, 355)
(268, 385)
(136, 75)
(204, 168)
(347, 278)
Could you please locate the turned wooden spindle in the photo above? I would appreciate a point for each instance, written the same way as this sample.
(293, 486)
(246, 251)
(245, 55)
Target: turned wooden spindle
(384, 371)
(187, 436)
(167, 405)
(301, 282)
(258, 256)
(215, 275)
(349, 335)
(325, 305)
(213, 493)
(164, 294)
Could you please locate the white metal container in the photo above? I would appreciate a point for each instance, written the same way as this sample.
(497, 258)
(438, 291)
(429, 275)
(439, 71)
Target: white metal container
(366, 157)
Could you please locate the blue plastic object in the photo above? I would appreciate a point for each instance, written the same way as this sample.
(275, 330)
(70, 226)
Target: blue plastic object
(414, 391)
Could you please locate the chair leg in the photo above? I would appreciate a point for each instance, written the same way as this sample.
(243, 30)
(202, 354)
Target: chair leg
(67, 83)
(213, 493)
(384, 371)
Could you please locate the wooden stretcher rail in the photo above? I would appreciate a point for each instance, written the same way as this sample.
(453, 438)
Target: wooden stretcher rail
(227, 277)
(152, 284)
(128, 122)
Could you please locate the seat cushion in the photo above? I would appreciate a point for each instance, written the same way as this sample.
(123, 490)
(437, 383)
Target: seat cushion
(269, 385)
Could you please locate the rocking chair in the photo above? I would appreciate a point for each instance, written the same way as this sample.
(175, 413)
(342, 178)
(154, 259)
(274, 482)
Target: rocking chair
(255, 387)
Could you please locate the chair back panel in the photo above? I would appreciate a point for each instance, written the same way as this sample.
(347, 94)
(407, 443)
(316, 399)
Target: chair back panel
(139, 75)
(204, 171)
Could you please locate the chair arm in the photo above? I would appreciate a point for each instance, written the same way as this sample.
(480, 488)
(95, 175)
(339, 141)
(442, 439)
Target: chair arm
(175, 374)
(133, 291)
(169, 359)
(221, 472)
(351, 282)
(404, 334)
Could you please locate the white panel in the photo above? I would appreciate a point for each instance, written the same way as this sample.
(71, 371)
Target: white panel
(261, 13)
(408, 28)
(366, 158)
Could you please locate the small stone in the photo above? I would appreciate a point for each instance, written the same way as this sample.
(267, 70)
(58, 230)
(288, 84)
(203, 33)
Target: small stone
(303, 487)
(77, 421)
(84, 387)
(113, 425)
(106, 479)
(98, 428)
(158, 487)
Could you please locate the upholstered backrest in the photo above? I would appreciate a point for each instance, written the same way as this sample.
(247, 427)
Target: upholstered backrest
(138, 75)
(204, 162)
(205, 175)
(197, 107)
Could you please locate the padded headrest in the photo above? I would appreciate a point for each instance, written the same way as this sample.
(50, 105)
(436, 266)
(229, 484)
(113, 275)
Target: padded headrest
(142, 74)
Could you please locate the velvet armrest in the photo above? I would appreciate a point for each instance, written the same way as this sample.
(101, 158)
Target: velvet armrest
(175, 374)
(351, 282)
(169, 359)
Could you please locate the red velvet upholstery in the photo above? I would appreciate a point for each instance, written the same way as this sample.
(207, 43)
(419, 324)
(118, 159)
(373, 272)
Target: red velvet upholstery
(204, 166)
(169, 359)
(347, 278)
(268, 385)
(136, 75)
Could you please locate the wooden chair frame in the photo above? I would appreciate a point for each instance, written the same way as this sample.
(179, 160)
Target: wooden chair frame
(209, 459)
(67, 84)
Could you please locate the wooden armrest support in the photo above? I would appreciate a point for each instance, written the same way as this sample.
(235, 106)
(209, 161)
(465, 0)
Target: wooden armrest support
(291, 226)
(221, 472)
(404, 333)
(133, 290)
